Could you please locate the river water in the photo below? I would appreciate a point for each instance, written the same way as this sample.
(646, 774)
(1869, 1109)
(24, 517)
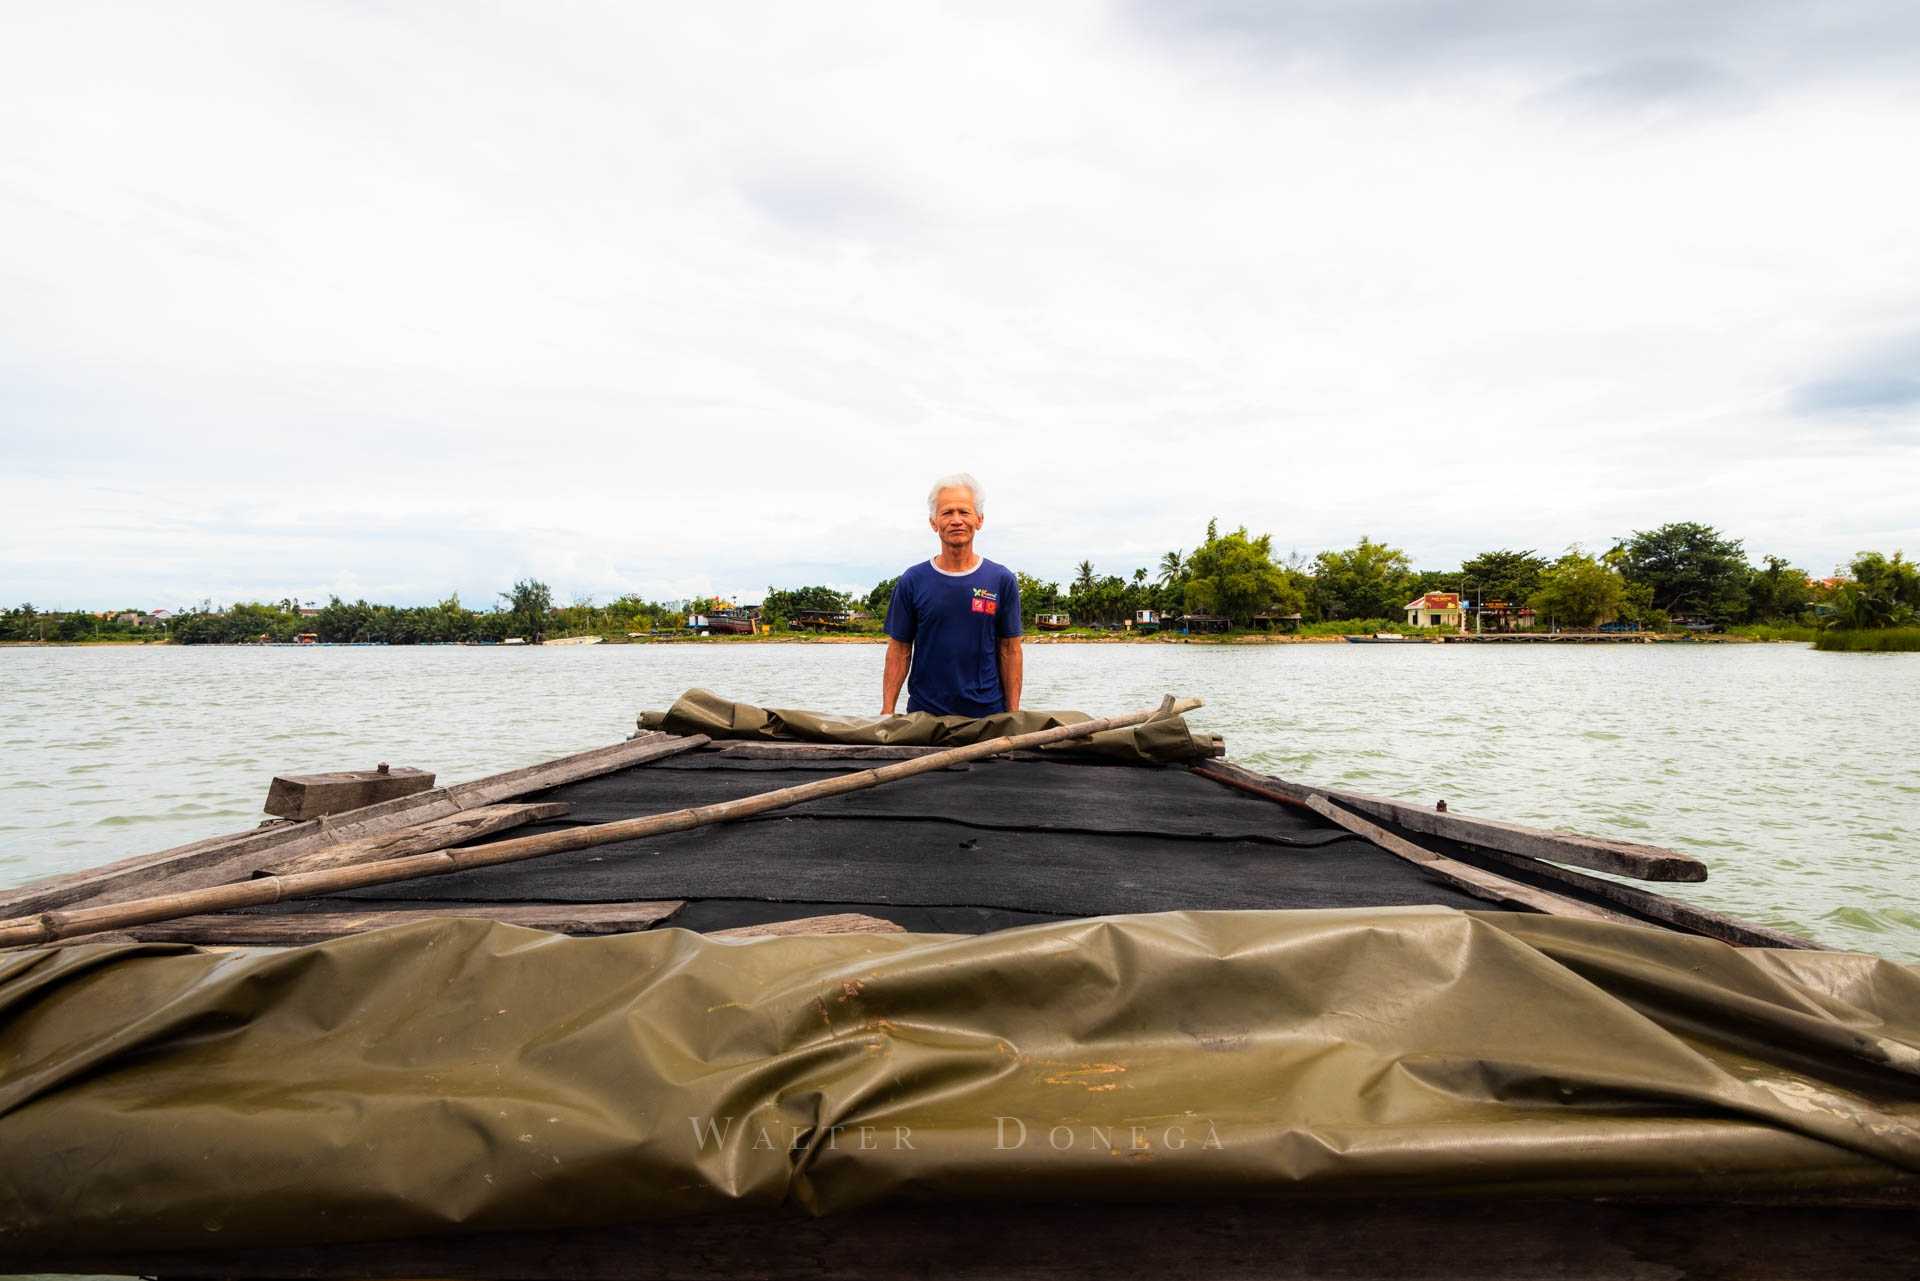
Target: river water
(1791, 773)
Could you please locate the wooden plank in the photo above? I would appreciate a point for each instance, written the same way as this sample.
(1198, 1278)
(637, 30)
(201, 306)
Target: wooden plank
(435, 834)
(1682, 915)
(832, 923)
(639, 750)
(1621, 858)
(297, 929)
(1499, 1238)
(219, 859)
(1658, 907)
(1463, 876)
(303, 796)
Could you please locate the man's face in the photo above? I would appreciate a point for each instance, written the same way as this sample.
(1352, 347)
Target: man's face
(954, 518)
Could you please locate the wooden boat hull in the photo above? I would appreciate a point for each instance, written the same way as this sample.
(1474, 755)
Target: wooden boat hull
(1026, 848)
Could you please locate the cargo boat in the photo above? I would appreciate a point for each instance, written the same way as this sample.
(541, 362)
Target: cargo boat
(1147, 1009)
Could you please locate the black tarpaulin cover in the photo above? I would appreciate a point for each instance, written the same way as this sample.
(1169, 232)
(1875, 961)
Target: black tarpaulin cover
(699, 711)
(464, 1074)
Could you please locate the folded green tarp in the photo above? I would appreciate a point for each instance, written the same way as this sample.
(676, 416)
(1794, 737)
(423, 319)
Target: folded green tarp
(466, 1075)
(700, 711)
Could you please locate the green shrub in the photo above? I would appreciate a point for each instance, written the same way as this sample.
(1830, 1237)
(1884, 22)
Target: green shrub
(1878, 640)
(1775, 631)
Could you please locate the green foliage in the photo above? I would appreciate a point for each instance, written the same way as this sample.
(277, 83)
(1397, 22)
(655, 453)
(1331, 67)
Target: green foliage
(530, 602)
(781, 605)
(1234, 576)
(881, 598)
(1778, 591)
(1507, 575)
(1369, 580)
(1691, 569)
(1880, 640)
(1884, 593)
(1578, 591)
(1036, 598)
(1083, 579)
(1892, 579)
(1099, 598)
(25, 623)
(1775, 631)
(1173, 569)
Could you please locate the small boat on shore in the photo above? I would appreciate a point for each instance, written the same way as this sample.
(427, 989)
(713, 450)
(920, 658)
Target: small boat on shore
(1053, 622)
(1106, 1002)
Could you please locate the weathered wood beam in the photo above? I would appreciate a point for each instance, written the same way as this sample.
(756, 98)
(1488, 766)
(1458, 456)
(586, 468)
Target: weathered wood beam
(1621, 858)
(1659, 907)
(297, 929)
(435, 834)
(303, 796)
(832, 923)
(217, 860)
(1462, 876)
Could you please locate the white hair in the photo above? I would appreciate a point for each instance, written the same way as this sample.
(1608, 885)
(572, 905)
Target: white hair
(959, 480)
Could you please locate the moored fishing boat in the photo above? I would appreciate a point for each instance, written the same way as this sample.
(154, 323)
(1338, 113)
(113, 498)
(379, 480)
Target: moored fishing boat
(1038, 1014)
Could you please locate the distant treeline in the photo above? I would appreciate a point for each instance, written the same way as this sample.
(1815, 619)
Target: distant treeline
(1655, 578)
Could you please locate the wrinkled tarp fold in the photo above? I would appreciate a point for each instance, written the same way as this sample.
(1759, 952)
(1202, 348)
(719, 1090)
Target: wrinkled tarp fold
(463, 1073)
(700, 711)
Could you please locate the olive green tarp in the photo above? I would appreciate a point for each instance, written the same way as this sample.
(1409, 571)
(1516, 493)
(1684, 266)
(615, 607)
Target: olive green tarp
(700, 711)
(469, 1075)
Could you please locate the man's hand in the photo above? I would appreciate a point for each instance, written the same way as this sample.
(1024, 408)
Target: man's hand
(899, 658)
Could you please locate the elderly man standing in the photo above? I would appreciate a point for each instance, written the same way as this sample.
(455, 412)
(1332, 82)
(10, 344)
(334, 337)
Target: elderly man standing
(953, 626)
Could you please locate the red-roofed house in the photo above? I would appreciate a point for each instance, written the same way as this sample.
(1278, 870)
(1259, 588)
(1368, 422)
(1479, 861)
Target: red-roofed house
(1436, 609)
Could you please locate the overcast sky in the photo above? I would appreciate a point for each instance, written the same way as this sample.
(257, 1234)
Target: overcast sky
(395, 299)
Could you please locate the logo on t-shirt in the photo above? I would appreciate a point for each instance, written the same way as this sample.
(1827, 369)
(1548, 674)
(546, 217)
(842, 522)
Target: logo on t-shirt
(985, 602)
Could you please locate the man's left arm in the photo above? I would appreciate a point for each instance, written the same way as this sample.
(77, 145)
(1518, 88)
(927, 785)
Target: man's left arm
(1011, 661)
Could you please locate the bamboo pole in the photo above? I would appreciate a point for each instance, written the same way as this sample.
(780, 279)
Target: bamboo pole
(46, 927)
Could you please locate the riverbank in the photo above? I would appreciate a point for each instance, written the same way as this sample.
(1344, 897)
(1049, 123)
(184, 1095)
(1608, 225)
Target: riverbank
(1050, 638)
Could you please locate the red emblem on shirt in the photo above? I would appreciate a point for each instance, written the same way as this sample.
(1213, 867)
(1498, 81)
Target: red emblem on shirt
(985, 606)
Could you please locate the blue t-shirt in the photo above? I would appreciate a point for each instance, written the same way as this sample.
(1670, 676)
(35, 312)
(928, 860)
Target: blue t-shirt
(953, 622)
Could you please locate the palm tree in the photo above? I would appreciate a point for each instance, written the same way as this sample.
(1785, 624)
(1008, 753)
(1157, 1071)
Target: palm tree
(1083, 580)
(1860, 609)
(1172, 568)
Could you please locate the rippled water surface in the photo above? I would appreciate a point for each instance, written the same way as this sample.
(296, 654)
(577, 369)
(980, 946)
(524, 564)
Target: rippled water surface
(1791, 773)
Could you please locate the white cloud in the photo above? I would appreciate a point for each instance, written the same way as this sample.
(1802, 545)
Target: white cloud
(300, 298)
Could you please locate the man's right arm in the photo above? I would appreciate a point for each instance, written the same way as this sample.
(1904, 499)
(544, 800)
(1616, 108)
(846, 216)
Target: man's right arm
(899, 658)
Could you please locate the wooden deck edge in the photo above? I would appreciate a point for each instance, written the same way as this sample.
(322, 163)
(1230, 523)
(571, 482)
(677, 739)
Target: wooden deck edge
(1655, 907)
(1463, 876)
(213, 860)
(1670, 911)
(1599, 854)
(1407, 1238)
